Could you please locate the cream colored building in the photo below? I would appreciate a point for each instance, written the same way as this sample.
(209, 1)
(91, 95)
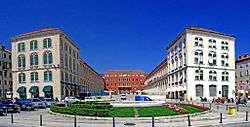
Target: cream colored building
(45, 63)
(201, 63)
(5, 72)
(156, 82)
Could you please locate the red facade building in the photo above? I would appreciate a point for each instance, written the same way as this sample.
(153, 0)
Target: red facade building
(124, 81)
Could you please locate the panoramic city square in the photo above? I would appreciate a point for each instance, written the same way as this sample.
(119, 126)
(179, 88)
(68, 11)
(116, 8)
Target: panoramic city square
(125, 63)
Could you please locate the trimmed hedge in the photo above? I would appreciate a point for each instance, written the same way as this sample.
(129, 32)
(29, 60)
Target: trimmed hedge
(94, 109)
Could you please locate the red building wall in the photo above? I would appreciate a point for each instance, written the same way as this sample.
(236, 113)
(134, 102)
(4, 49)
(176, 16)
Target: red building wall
(122, 82)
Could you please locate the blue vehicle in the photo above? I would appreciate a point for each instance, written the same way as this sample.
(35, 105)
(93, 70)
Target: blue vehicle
(142, 98)
(7, 106)
(25, 104)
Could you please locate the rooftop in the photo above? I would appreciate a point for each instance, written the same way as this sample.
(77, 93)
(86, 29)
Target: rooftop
(125, 72)
(243, 58)
(198, 29)
(41, 32)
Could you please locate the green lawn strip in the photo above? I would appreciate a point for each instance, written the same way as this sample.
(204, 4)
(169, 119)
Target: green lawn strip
(155, 111)
(189, 108)
(122, 112)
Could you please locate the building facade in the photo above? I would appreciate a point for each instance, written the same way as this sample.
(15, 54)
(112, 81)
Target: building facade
(45, 63)
(200, 62)
(156, 82)
(5, 71)
(91, 82)
(124, 81)
(243, 76)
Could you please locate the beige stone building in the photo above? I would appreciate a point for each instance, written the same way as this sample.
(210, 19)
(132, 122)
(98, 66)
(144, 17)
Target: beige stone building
(156, 82)
(45, 63)
(5, 72)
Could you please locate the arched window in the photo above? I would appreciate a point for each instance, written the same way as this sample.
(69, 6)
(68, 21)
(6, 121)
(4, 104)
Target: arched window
(224, 45)
(198, 41)
(212, 91)
(224, 59)
(47, 58)
(199, 75)
(199, 90)
(212, 43)
(33, 45)
(21, 61)
(198, 57)
(212, 76)
(225, 76)
(48, 76)
(212, 58)
(33, 59)
(47, 43)
(21, 78)
(34, 76)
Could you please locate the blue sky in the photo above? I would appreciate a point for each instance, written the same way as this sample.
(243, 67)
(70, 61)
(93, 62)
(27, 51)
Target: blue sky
(125, 34)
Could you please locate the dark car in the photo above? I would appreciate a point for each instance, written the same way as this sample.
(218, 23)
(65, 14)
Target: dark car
(25, 104)
(9, 106)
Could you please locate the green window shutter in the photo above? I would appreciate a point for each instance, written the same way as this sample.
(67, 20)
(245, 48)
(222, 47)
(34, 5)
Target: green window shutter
(36, 60)
(32, 76)
(31, 60)
(35, 45)
(45, 58)
(49, 43)
(31, 45)
(36, 76)
(50, 58)
(44, 43)
(19, 47)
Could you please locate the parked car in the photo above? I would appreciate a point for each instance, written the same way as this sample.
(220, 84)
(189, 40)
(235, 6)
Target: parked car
(38, 103)
(71, 100)
(25, 104)
(8, 106)
(123, 97)
(90, 98)
(49, 101)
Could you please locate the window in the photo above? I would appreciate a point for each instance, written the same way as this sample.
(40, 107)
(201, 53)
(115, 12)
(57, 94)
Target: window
(33, 45)
(224, 45)
(21, 47)
(21, 78)
(224, 59)
(34, 76)
(33, 59)
(225, 76)
(247, 73)
(47, 58)
(199, 90)
(199, 75)
(225, 91)
(212, 91)
(198, 57)
(198, 41)
(212, 43)
(47, 43)
(48, 76)
(212, 76)
(212, 58)
(21, 61)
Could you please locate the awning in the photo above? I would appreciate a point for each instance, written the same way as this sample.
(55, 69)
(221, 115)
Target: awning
(34, 89)
(48, 89)
(21, 90)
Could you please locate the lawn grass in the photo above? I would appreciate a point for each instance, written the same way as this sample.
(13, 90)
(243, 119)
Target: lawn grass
(155, 111)
(122, 112)
(189, 108)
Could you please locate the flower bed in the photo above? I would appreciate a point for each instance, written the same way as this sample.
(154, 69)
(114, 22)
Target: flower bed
(198, 107)
(176, 108)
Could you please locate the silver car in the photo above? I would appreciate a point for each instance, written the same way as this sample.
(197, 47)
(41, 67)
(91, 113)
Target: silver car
(49, 101)
(38, 103)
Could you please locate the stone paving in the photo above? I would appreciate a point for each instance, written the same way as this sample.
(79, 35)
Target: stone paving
(31, 119)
